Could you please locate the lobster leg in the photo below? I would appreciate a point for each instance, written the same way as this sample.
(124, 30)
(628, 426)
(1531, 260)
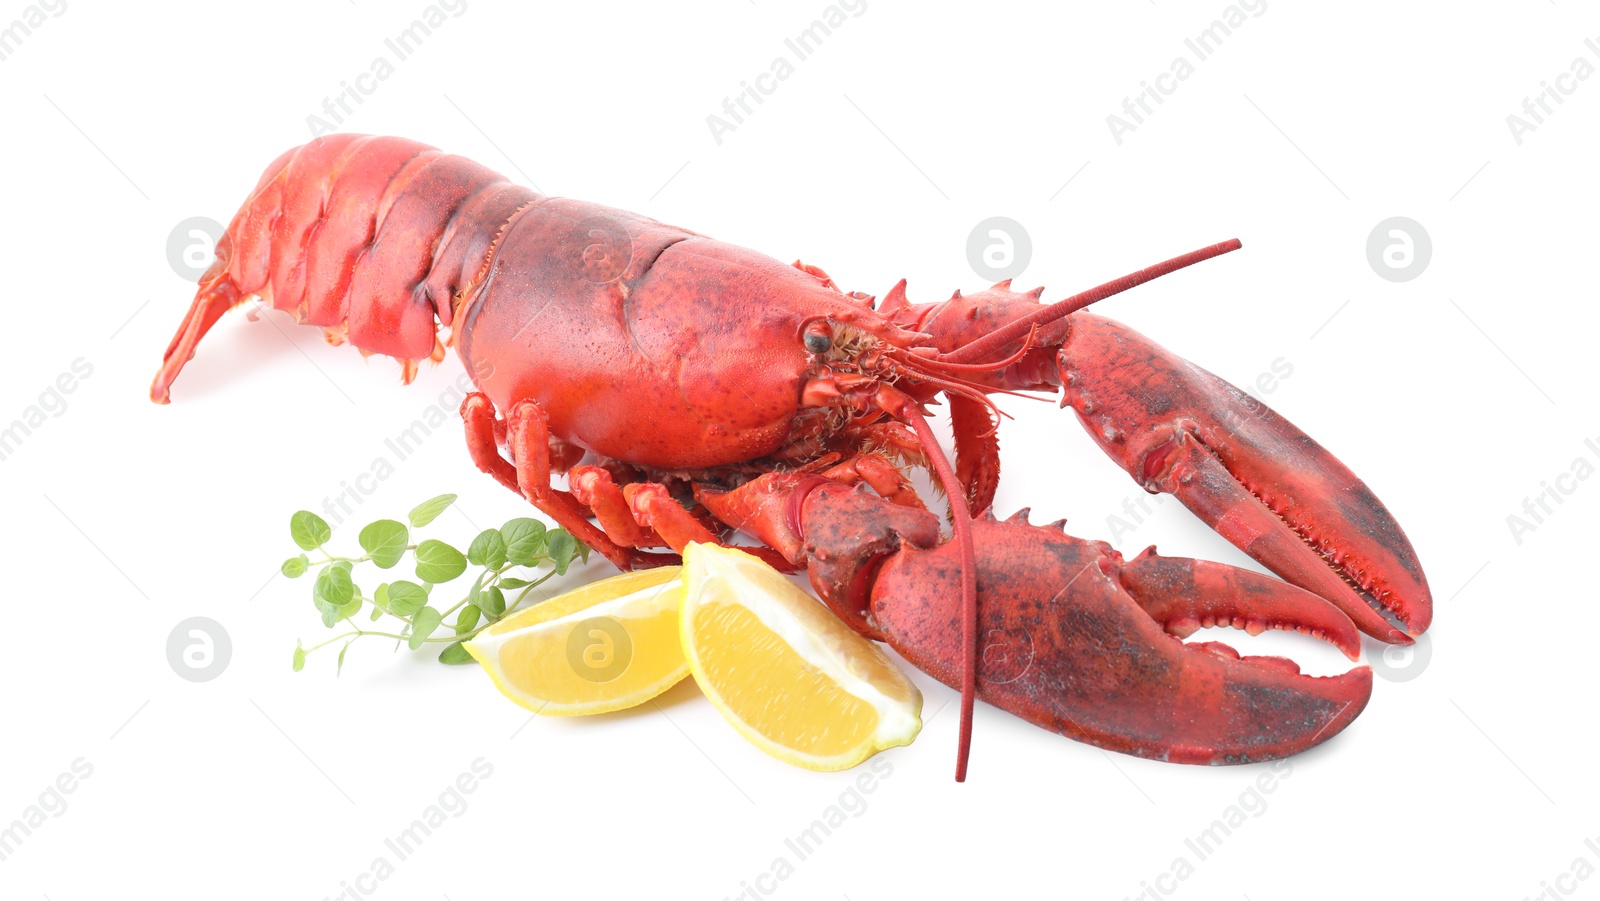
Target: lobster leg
(645, 514)
(766, 507)
(878, 474)
(1247, 472)
(977, 450)
(654, 509)
(528, 474)
(484, 433)
(594, 488)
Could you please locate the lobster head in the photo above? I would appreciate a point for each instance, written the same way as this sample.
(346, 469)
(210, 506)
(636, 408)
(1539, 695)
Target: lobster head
(780, 360)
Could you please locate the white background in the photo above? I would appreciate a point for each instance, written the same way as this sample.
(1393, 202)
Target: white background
(1456, 396)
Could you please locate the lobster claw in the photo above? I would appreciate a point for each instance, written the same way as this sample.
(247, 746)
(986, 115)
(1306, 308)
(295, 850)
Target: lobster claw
(1077, 640)
(1247, 472)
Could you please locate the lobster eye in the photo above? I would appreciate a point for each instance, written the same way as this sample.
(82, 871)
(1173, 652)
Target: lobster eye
(818, 337)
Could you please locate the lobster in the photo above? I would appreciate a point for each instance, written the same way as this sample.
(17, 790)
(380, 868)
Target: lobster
(688, 388)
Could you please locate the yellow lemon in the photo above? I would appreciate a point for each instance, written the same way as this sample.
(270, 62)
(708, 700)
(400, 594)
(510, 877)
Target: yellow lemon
(786, 672)
(608, 645)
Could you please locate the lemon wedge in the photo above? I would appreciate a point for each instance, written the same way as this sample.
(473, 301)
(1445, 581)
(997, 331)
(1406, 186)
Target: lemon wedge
(605, 646)
(788, 674)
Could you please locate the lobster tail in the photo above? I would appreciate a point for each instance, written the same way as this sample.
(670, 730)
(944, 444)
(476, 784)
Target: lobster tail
(377, 240)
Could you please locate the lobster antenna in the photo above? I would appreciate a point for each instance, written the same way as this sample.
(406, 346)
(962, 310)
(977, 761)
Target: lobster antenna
(976, 350)
(961, 528)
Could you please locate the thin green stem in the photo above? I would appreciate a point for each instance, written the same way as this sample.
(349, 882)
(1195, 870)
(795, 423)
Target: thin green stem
(488, 578)
(358, 632)
(530, 586)
(330, 558)
(354, 633)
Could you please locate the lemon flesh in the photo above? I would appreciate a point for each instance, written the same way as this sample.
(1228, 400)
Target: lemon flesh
(605, 646)
(788, 674)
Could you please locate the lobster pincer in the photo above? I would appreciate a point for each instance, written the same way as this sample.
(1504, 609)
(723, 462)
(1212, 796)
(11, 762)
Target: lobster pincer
(1073, 638)
(1247, 472)
(1242, 468)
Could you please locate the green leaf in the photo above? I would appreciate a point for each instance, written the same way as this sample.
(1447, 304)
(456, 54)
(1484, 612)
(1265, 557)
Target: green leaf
(385, 540)
(422, 625)
(524, 539)
(439, 562)
(428, 510)
(563, 547)
(299, 657)
(294, 567)
(309, 530)
(351, 608)
(455, 653)
(406, 598)
(335, 595)
(380, 601)
(512, 583)
(340, 668)
(493, 601)
(467, 619)
(333, 586)
(488, 549)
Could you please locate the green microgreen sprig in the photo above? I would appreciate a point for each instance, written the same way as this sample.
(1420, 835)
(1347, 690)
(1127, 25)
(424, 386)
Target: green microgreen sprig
(508, 558)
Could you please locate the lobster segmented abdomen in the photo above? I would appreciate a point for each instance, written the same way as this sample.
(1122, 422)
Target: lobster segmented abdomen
(374, 239)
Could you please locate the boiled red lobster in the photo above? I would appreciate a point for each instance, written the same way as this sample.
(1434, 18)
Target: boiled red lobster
(712, 388)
